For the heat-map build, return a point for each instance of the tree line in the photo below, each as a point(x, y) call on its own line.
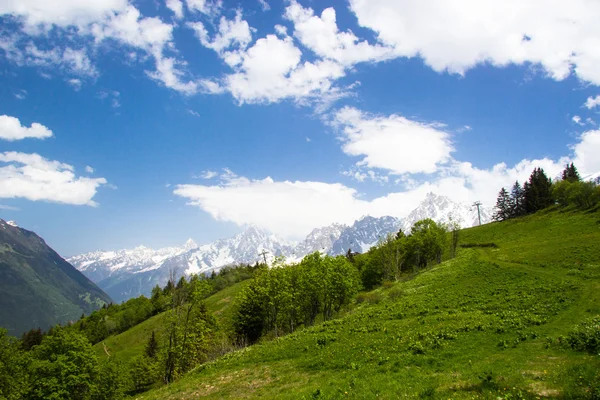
point(540, 192)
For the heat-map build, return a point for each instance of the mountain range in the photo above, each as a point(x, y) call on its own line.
point(129, 273)
point(39, 288)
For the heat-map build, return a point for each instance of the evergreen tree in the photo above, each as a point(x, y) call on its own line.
point(570, 173)
point(503, 206)
point(152, 346)
point(538, 192)
point(517, 201)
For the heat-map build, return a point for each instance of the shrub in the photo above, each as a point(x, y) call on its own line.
point(586, 337)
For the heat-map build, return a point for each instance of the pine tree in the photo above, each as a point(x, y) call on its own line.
point(152, 347)
point(570, 173)
point(538, 191)
point(517, 201)
point(502, 206)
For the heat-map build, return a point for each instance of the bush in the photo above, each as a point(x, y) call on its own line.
point(586, 337)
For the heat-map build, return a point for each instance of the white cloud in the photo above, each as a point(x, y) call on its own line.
point(393, 143)
point(577, 119)
point(231, 33)
point(69, 60)
point(9, 208)
point(264, 5)
point(592, 102)
point(362, 175)
point(21, 94)
point(208, 174)
point(321, 35)
point(207, 7)
point(75, 84)
point(272, 70)
point(308, 139)
point(194, 113)
point(177, 7)
point(586, 152)
point(11, 129)
point(61, 13)
point(33, 177)
point(89, 169)
point(457, 36)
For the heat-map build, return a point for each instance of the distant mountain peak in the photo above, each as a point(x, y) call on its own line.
point(190, 244)
point(13, 223)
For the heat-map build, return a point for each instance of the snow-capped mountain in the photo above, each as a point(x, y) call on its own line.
point(100, 265)
point(364, 234)
point(244, 248)
point(320, 239)
point(129, 273)
point(442, 209)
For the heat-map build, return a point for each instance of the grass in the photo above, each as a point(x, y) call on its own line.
point(490, 324)
point(133, 341)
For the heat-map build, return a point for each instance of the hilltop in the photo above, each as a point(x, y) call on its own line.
point(498, 321)
point(39, 288)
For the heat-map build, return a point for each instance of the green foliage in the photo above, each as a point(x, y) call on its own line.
point(570, 173)
point(582, 195)
point(14, 376)
point(144, 372)
point(282, 298)
point(586, 337)
point(112, 381)
point(503, 206)
point(63, 366)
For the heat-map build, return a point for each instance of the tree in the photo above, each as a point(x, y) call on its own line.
point(151, 349)
point(111, 382)
point(144, 372)
point(63, 367)
point(517, 201)
point(570, 174)
point(31, 338)
point(503, 206)
point(14, 375)
point(538, 191)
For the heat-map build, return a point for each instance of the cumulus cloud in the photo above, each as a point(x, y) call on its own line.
point(230, 33)
point(176, 6)
point(11, 129)
point(101, 20)
point(393, 143)
point(207, 7)
point(592, 102)
point(36, 13)
point(89, 169)
point(321, 35)
point(35, 178)
point(561, 37)
point(264, 5)
point(586, 152)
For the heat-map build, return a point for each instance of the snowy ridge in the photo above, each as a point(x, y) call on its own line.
point(442, 209)
point(129, 273)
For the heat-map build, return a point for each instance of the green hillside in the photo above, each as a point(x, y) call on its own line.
point(131, 343)
point(497, 321)
point(39, 288)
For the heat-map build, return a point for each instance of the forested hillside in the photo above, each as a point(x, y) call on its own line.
point(39, 288)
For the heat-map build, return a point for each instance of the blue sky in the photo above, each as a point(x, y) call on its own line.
point(148, 122)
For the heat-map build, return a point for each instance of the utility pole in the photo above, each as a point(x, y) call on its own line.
point(264, 254)
point(477, 204)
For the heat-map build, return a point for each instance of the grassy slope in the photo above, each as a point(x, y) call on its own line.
point(132, 342)
point(473, 327)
